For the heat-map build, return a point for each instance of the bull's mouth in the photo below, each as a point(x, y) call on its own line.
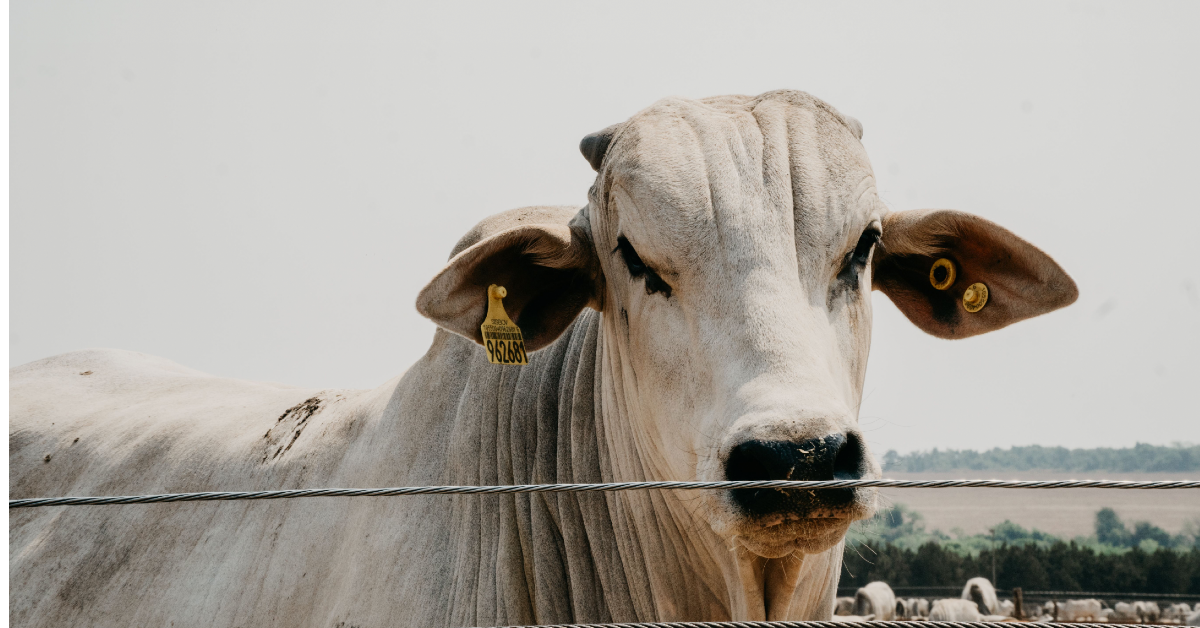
point(774, 522)
point(807, 536)
point(806, 521)
point(826, 503)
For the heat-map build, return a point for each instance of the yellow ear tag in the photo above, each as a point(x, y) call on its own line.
point(975, 297)
point(942, 275)
point(501, 337)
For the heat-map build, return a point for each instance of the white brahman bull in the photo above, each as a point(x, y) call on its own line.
point(911, 608)
point(1080, 611)
point(1147, 612)
point(955, 610)
point(875, 599)
point(1176, 612)
point(706, 316)
point(981, 591)
point(1125, 612)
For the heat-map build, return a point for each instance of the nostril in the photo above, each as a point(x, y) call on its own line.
point(758, 460)
point(848, 463)
point(831, 457)
point(835, 456)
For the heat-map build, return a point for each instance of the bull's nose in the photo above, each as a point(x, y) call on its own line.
point(832, 457)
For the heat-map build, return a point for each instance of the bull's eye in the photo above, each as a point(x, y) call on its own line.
point(866, 242)
point(857, 259)
point(639, 269)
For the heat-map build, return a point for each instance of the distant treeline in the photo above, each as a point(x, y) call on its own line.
point(1141, 457)
point(904, 528)
point(1060, 567)
point(1138, 556)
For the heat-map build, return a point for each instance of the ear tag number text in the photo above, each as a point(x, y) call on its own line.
point(501, 336)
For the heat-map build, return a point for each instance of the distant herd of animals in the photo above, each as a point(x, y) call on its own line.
point(876, 601)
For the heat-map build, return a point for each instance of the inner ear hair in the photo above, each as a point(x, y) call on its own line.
point(933, 238)
point(549, 272)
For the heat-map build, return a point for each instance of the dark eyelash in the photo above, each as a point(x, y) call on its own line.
point(862, 250)
point(856, 260)
point(638, 268)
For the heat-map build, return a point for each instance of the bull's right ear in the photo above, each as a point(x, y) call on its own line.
point(931, 264)
point(549, 270)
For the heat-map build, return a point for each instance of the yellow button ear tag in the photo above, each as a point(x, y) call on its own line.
point(501, 336)
point(942, 274)
point(975, 297)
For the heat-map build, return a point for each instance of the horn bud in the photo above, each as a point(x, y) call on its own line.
point(595, 146)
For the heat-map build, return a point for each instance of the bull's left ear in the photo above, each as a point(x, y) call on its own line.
point(549, 270)
point(1021, 281)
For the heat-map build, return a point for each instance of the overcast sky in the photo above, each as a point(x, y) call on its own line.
point(259, 190)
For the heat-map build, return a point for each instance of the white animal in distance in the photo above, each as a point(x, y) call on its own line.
point(1080, 611)
point(955, 610)
point(981, 591)
point(875, 599)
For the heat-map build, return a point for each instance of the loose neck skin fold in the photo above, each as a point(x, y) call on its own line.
point(590, 557)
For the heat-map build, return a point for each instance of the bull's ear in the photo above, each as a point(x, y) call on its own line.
point(549, 270)
point(1021, 281)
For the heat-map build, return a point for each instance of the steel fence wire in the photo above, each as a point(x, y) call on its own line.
point(580, 488)
point(841, 624)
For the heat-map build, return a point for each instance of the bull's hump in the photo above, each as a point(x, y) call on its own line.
point(69, 384)
point(111, 361)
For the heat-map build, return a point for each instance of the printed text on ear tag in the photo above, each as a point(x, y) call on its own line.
point(501, 337)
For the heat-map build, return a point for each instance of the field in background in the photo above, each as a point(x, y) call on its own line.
point(1141, 458)
point(1066, 513)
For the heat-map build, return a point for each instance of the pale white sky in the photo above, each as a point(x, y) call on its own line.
point(259, 190)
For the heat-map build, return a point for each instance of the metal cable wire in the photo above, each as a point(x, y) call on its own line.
point(839, 624)
point(580, 488)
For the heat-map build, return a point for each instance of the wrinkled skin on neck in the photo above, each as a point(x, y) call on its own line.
point(581, 557)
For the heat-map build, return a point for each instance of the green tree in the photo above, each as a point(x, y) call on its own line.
point(1064, 567)
point(897, 549)
point(1167, 572)
point(1144, 530)
point(1111, 530)
point(1023, 567)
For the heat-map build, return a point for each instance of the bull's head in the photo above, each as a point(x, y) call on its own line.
point(731, 244)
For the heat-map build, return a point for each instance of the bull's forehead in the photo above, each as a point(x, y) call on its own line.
point(781, 169)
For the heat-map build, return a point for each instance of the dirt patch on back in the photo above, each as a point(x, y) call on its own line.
point(289, 426)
